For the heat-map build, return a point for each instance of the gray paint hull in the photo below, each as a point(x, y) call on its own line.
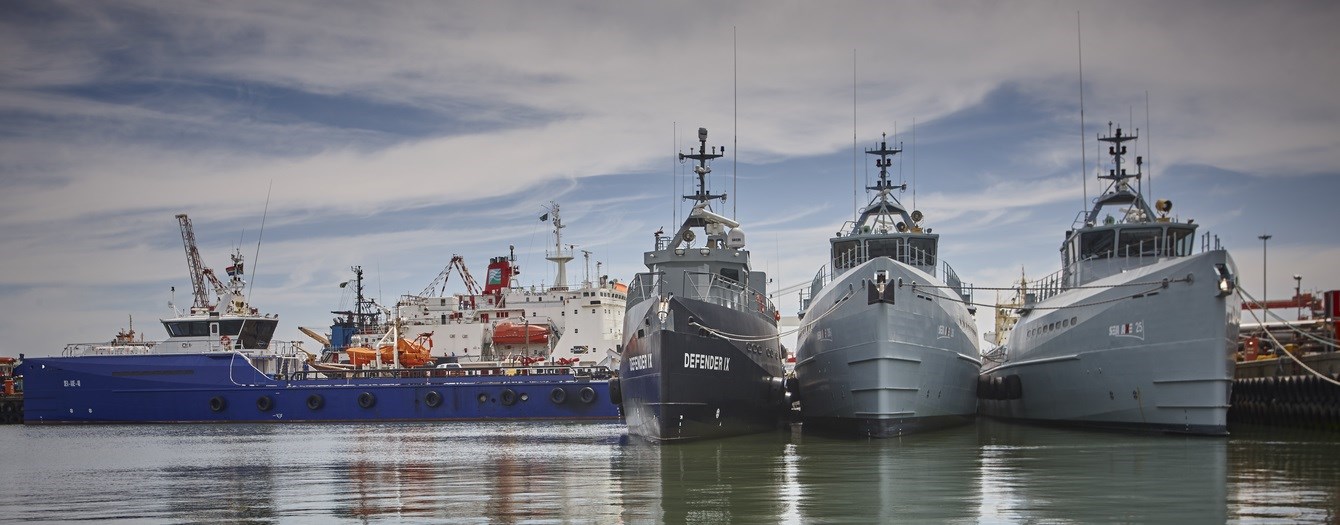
point(1162, 361)
point(886, 369)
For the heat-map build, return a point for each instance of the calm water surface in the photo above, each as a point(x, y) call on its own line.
point(990, 472)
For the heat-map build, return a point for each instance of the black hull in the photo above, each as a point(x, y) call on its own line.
point(680, 382)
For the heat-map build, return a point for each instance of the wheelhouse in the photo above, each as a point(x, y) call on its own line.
point(245, 333)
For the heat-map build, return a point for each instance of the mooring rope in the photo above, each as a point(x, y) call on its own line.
point(1160, 285)
point(1280, 346)
point(753, 339)
point(1248, 297)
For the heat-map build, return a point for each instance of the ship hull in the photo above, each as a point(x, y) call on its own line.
point(883, 368)
point(680, 383)
point(1118, 356)
point(226, 388)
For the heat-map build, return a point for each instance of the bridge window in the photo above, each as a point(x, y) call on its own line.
point(921, 251)
point(884, 248)
point(844, 254)
point(1096, 244)
point(1181, 241)
point(1139, 241)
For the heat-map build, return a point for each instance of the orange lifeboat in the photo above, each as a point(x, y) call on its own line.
point(518, 334)
point(412, 354)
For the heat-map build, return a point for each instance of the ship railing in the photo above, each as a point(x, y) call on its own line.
point(722, 291)
point(956, 284)
point(502, 373)
point(821, 279)
point(644, 286)
point(908, 255)
point(275, 349)
point(105, 348)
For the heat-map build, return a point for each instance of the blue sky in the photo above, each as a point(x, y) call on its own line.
point(393, 136)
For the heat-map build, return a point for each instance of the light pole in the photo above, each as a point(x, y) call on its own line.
point(1265, 297)
point(1298, 294)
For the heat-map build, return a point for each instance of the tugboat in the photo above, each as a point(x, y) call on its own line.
point(1137, 331)
point(701, 357)
point(882, 350)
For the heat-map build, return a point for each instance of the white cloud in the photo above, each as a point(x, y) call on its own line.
point(538, 97)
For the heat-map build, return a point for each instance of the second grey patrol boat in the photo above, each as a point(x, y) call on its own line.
point(887, 343)
point(701, 358)
point(1136, 332)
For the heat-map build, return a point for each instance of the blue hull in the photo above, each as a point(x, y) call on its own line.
point(225, 388)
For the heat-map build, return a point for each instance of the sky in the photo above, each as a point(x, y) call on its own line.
point(318, 136)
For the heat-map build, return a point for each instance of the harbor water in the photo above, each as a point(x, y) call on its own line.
point(523, 472)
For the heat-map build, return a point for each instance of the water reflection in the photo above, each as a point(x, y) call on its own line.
point(1285, 476)
point(990, 472)
point(716, 481)
point(921, 478)
point(1073, 476)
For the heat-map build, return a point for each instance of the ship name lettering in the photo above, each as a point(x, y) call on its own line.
point(1135, 329)
point(706, 362)
point(639, 362)
point(71, 382)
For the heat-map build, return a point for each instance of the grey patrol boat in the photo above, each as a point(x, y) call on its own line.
point(701, 357)
point(887, 343)
point(1137, 331)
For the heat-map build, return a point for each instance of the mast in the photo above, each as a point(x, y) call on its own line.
point(559, 257)
point(701, 216)
point(884, 186)
point(702, 156)
point(1119, 191)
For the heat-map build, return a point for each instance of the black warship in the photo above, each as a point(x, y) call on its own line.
point(701, 357)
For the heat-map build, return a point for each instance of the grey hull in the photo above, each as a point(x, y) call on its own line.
point(1122, 356)
point(888, 367)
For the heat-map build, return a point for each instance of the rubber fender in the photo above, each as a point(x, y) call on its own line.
point(1014, 387)
point(616, 391)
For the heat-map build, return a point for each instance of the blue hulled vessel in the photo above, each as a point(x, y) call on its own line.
point(220, 363)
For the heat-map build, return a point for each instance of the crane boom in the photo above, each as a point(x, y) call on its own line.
point(458, 263)
point(193, 263)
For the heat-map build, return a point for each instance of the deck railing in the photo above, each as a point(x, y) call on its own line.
point(702, 286)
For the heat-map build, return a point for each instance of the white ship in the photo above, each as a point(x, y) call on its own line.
point(1137, 331)
point(502, 322)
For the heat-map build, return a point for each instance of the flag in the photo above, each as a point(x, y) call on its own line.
point(233, 270)
point(544, 217)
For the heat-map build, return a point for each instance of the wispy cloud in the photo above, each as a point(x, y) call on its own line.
point(396, 134)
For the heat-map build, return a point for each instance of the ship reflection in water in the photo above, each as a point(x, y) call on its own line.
point(505, 472)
